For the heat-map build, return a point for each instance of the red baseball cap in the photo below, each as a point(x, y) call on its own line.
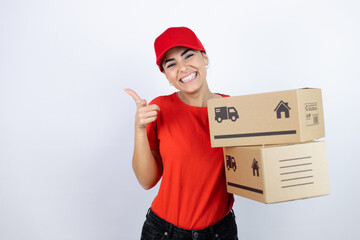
point(175, 37)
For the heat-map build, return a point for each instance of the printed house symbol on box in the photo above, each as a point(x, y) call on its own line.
point(282, 107)
point(255, 167)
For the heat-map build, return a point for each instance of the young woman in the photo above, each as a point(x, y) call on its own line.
point(172, 142)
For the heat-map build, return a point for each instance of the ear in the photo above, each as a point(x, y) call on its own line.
point(205, 57)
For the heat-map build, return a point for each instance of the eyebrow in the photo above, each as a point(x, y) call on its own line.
point(169, 60)
point(185, 52)
point(182, 54)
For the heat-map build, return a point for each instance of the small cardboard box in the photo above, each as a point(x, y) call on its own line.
point(271, 174)
point(291, 116)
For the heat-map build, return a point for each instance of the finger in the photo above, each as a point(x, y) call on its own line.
point(145, 121)
point(153, 107)
point(134, 95)
point(147, 114)
point(148, 111)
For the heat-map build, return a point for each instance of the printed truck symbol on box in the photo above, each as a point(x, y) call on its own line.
point(230, 162)
point(223, 113)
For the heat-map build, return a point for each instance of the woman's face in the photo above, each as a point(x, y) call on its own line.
point(185, 68)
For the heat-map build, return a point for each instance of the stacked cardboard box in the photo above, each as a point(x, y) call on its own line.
point(269, 150)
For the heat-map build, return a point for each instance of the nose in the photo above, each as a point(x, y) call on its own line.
point(182, 66)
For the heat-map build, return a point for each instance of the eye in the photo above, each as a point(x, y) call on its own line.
point(189, 55)
point(170, 65)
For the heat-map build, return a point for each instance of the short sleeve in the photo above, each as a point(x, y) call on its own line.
point(151, 130)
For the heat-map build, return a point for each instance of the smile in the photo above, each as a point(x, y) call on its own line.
point(188, 78)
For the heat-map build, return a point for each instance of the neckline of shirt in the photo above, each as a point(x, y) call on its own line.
point(189, 106)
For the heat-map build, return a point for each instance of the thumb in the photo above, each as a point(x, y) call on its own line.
point(143, 102)
point(139, 101)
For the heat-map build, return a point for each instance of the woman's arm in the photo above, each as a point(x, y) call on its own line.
point(146, 163)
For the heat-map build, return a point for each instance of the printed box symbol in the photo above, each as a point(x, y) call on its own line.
point(311, 114)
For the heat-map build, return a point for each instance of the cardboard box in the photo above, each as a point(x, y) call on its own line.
point(291, 116)
point(271, 174)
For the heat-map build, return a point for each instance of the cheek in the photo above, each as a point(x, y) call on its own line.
point(200, 62)
point(170, 76)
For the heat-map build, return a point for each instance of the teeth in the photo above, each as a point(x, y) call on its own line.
point(188, 78)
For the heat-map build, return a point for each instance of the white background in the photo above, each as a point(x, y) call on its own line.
point(66, 125)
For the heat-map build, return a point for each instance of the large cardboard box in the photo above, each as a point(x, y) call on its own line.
point(291, 116)
point(271, 174)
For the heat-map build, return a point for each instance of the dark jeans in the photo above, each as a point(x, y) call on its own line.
point(156, 228)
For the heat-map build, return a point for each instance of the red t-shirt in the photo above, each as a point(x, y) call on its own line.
point(192, 193)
